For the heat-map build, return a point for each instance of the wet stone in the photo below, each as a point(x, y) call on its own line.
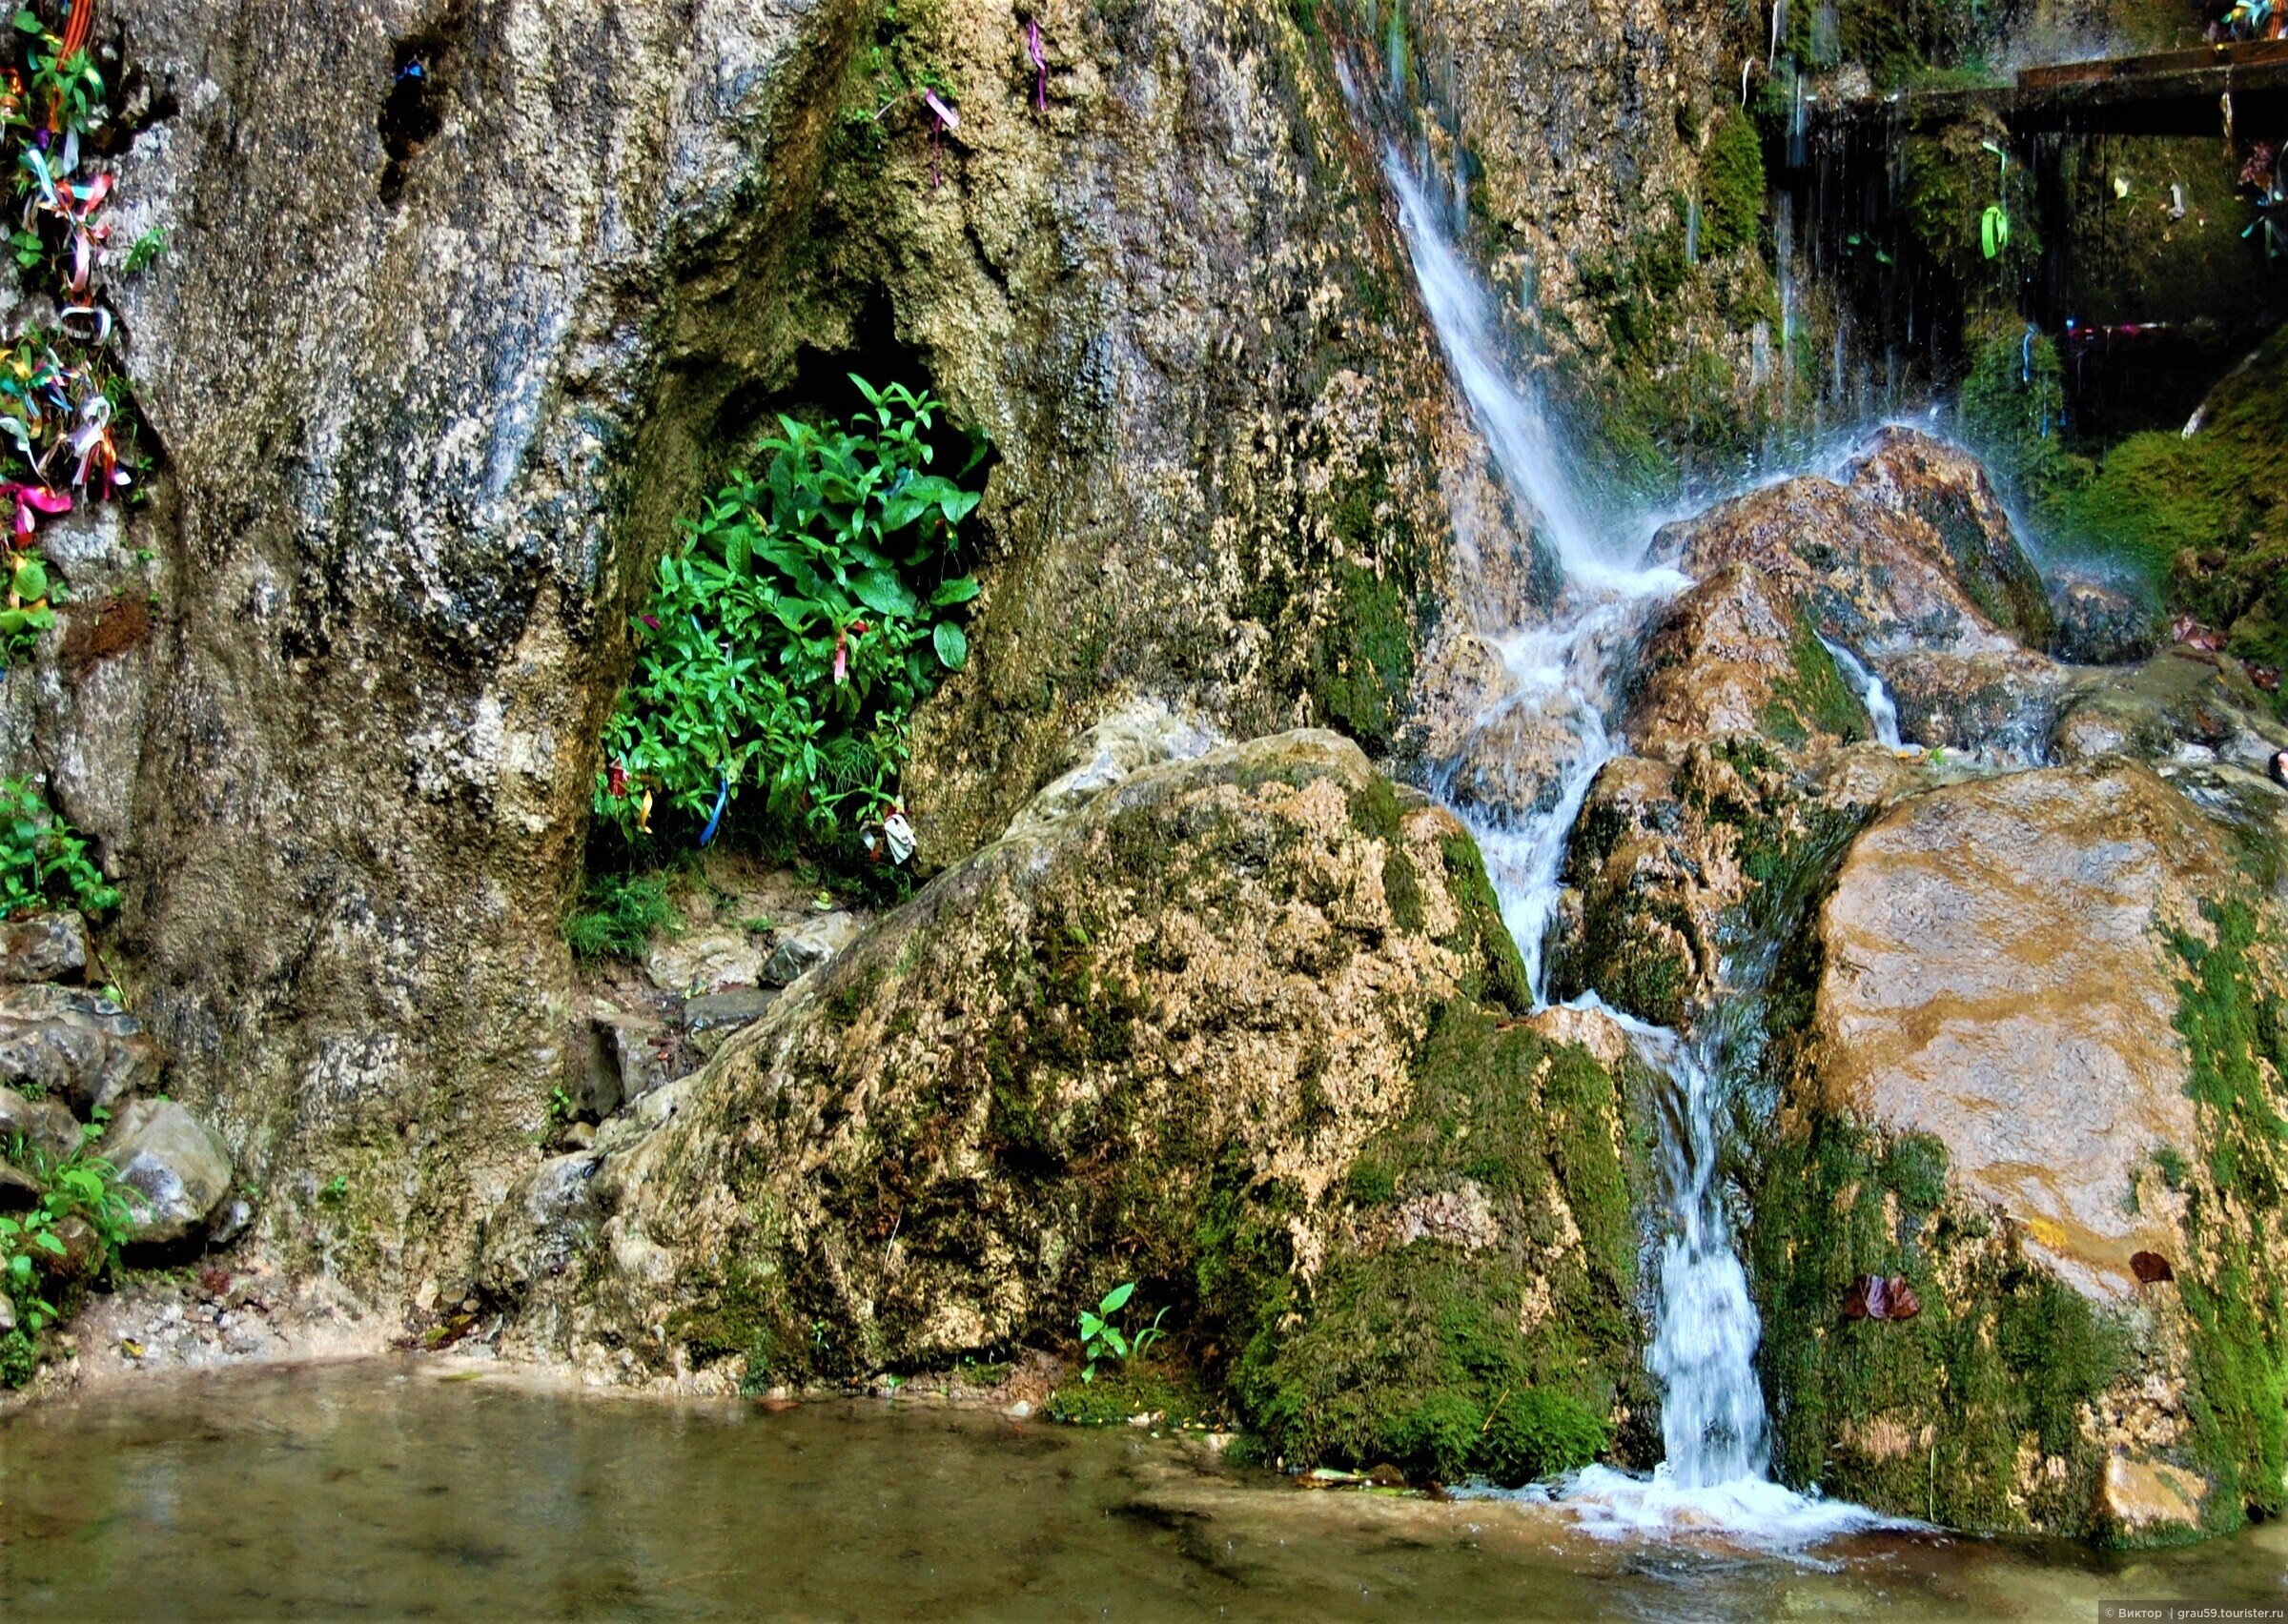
point(2102, 623)
point(175, 1169)
point(72, 1045)
point(715, 1017)
point(807, 946)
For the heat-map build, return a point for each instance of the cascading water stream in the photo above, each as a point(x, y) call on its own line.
point(1563, 673)
point(1880, 710)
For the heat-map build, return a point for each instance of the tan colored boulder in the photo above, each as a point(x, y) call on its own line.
point(2148, 1500)
point(1952, 516)
point(1995, 978)
point(1212, 1033)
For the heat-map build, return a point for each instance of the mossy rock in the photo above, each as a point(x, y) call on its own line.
point(1483, 1323)
point(1242, 1030)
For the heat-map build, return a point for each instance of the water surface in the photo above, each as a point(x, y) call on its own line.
point(380, 1492)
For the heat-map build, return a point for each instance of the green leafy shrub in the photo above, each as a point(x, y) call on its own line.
point(808, 614)
point(619, 915)
point(44, 861)
point(84, 1187)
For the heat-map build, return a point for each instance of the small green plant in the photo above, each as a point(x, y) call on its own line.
point(1101, 1339)
point(147, 250)
point(334, 1190)
point(86, 1188)
point(619, 916)
point(809, 611)
point(561, 1108)
point(44, 861)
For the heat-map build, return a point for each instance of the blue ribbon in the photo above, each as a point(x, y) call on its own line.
point(723, 799)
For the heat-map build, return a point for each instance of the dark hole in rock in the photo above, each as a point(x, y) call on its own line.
point(413, 111)
point(822, 392)
point(2150, 1268)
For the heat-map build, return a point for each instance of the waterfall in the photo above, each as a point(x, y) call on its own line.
point(1880, 710)
point(1563, 675)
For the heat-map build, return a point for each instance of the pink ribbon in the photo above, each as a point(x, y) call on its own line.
point(941, 117)
point(31, 498)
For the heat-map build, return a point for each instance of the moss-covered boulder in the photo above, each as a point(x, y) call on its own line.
point(1245, 1029)
point(2042, 1082)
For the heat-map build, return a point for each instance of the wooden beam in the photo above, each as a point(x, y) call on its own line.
point(2178, 92)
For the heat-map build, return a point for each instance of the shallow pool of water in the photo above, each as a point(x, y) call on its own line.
point(381, 1490)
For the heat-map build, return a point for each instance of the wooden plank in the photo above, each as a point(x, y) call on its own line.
point(2236, 55)
point(2174, 93)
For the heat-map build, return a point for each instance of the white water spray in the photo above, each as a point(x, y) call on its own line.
point(1562, 672)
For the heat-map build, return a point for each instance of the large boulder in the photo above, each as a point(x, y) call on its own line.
point(2042, 1083)
point(173, 1171)
point(1243, 1029)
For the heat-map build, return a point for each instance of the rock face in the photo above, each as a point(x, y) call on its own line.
point(1224, 1020)
point(1995, 979)
point(2041, 1083)
point(173, 1169)
point(343, 768)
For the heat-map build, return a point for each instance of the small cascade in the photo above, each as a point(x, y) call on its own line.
point(1880, 710)
point(1565, 673)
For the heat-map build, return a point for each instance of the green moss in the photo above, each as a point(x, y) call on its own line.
point(1924, 1416)
point(1813, 697)
point(738, 1314)
point(1731, 185)
point(1481, 937)
point(1952, 180)
point(2235, 1031)
point(1364, 663)
point(1121, 1392)
point(1369, 1184)
point(1415, 1354)
point(2204, 518)
point(2012, 409)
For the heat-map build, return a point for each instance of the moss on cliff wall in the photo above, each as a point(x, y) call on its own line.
point(1971, 1413)
point(2205, 515)
point(2234, 1022)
